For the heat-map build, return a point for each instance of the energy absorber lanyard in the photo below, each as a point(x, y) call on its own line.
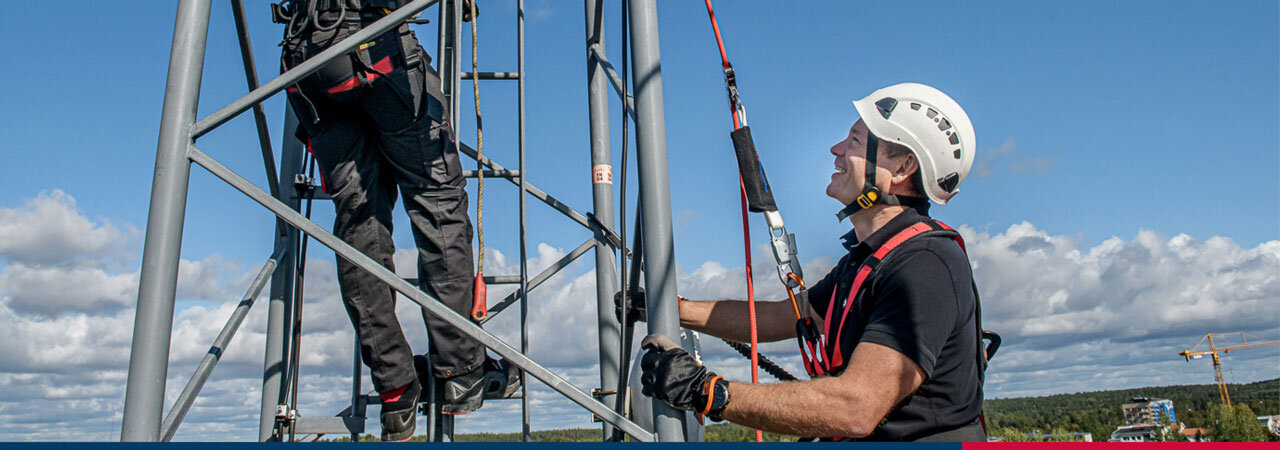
point(758, 197)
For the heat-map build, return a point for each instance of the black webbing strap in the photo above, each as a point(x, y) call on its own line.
point(872, 196)
point(873, 152)
point(759, 196)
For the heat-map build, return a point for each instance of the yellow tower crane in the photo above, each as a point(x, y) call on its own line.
point(1238, 340)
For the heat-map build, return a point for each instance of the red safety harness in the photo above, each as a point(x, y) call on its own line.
point(836, 357)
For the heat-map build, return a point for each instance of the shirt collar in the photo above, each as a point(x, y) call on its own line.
point(902, 221)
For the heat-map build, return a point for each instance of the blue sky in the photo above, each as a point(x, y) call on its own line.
point(1095, 120)
point(1121, 117)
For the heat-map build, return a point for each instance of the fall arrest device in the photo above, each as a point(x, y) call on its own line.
point(756, 196)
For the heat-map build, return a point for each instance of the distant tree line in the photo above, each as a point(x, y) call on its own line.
point(1054, 416)
point(1100, 412)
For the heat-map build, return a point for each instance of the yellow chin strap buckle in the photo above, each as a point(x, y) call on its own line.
point(867, 199)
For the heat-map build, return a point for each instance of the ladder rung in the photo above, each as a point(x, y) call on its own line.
point(492, 75)
point(329, 425)
point(488, 279)
point(493, 173)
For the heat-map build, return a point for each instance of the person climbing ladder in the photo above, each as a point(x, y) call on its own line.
point(376, 123)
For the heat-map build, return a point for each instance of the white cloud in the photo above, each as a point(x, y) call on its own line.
point(49, 291)
point(50, 230)
point(1121, 308)
point(1074, 317)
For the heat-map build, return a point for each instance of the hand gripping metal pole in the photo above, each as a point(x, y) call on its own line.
point(431, 304)
point(655, 194)
point(153, 322)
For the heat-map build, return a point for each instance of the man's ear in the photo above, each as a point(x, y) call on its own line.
point(904, 168)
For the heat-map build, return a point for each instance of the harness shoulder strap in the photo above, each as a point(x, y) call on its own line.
point(926, 228)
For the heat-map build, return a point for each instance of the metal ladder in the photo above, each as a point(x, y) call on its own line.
point(176, 152)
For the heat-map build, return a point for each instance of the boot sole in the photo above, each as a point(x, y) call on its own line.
point(402, 435)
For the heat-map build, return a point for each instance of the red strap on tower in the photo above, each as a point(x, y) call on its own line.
point(742, 190)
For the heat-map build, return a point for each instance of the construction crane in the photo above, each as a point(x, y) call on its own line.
point(1244, 341)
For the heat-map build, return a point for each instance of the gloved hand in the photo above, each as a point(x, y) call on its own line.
point(635, 308)
point(672, 375)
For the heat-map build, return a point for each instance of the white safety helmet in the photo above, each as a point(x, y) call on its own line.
point(931, 125)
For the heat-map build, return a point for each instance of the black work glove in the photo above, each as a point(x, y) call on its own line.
point(635, 307)
point(672, 375)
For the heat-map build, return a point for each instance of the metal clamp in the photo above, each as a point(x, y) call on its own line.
point(600, 394)
point(731, 85)
point(304, 185)
point(784, 249)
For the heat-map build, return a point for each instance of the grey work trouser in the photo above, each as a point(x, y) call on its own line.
point(376, 124)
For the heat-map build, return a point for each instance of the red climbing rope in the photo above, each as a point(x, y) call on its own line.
point(736, 110)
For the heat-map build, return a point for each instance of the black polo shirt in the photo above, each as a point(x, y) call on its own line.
point(920, 302)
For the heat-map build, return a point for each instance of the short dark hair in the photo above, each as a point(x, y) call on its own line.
point(896, 150)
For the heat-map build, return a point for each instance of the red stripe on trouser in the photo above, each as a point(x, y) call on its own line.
point(383, 66)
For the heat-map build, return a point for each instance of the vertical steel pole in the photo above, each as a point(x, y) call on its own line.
point(259, 113)
point(455, 63)
point(655, 194)
point(440, 30)
point(610, 334)
point(153, 322)
point(357, 394)
point(524, 193)
point(282, 281)
point(446, 47)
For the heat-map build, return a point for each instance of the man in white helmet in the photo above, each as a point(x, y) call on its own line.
point(901, 355)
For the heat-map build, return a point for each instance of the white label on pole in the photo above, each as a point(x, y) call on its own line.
point(602, 173)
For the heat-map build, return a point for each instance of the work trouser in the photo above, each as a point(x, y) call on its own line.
point(375, 122)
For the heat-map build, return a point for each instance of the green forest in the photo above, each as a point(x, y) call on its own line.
point(1098, 413)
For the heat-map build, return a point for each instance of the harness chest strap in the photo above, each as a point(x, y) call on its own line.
point(836, 358)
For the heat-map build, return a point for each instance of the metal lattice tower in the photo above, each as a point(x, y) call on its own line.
point(180, 129)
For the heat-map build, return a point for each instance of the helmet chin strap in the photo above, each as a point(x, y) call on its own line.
point(872, 196)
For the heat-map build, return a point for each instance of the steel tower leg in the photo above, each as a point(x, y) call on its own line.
point(610, 334)
point(153, 323)
point(280, 306)
point(655, 195)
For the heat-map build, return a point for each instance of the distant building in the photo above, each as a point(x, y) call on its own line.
point(1062, 437)
point(1147, 411)
point(1136, 433)
point(1271, 423)
point(1196, 434)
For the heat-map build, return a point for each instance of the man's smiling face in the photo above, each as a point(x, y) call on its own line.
point(850, 165)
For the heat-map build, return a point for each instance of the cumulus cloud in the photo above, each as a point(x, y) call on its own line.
point(1121, 307)
point(66, 299)
point(49, 229)
point(1075, 317)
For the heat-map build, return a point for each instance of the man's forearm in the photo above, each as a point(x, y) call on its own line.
point(818, 408)
point(727, 319)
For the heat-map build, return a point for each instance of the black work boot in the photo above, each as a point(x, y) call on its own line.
point(463, 393)
point(400, 412)
point(501, 379)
